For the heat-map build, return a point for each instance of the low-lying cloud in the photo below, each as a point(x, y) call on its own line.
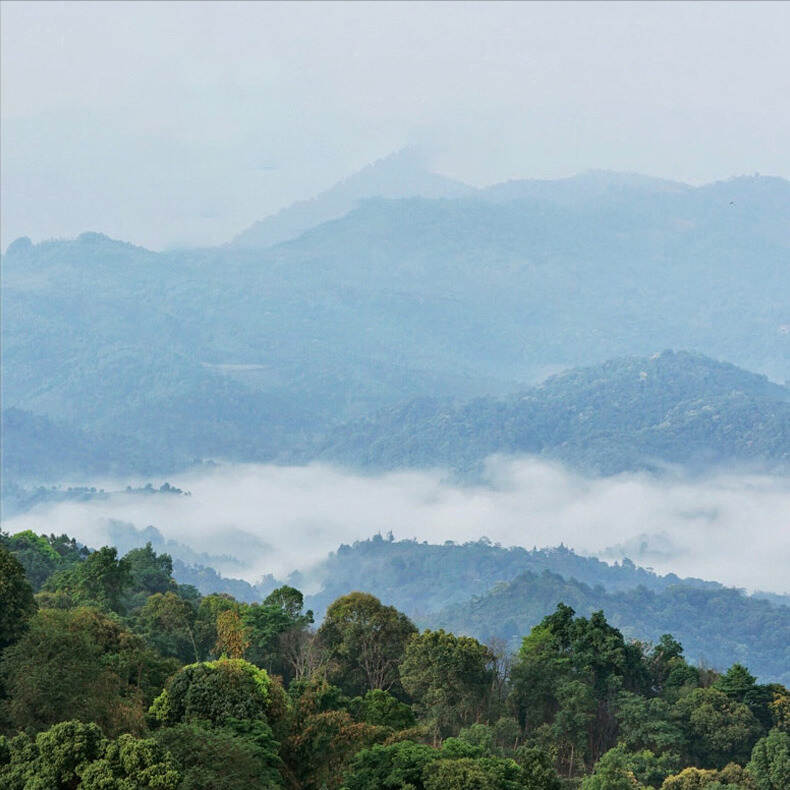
point(734, 528)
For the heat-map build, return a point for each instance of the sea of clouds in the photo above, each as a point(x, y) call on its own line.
point(734, 528)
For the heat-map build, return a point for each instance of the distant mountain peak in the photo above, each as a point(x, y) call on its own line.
point(401, 174)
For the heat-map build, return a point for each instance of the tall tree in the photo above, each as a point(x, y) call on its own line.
point(365, 640)
point(449, 678)
point(17, 604)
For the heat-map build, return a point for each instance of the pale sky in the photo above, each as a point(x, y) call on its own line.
point(181, 124)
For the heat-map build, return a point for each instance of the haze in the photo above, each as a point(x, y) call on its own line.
point(294, 516)
point(181, 124)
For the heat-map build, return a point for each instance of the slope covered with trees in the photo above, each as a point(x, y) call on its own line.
point(631, 413)
point(491, 592)
point(252, 353)
point(115, 676)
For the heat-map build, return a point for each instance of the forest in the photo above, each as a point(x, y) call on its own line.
point(114, 675)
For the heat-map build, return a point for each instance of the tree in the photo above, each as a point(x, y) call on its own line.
point(301, 653)
point(470, 773)
point(270, 623)
point(365, 641)
point(166, 622)
point(209, 609)
point(41, 556)
point(80, 664)
point(612, 772)
point(645, 723)
point(718, 729)
point(17, 604)
point(620, 768)
point(769, 767)
point(240, 755)
point(100, 580)
point(54, 759)
point(448, 677)
point(739, 684)
point(128, 762)
point(214, 691)
point(537, 767)
point(149, 573)
point(320, 750)
point(392, 767)
point(232, 635)
point(383, 709)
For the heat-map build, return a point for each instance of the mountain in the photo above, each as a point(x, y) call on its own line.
point(492, 592)
point(399, 175)
point(715, 626)
point(422, 579)
point(261, 354)
point(593, 186)
point(671, 408)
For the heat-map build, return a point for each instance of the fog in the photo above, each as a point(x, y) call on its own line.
point(183, 123)
point(733, 528)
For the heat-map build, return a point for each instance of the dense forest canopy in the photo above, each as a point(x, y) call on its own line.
point(114, 675)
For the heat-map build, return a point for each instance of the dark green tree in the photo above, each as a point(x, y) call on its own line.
point(365, 641)
point(448, 677)
point(17, 604)
point(769, 767)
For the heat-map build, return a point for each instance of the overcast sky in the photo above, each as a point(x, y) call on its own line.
point(180, 124)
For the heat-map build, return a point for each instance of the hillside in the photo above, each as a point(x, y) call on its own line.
point(251, 354)
point(713, 624)
point(671, 408)
point(401, 174)
point(491, 592)
point(423, 578)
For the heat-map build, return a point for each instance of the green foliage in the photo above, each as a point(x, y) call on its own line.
point(496, 593)
point(80, 664)
point(167, 623)
point(17, 604)
point(718, 729)
point(458, 764)
point(100, 580)
point(620, 767)
point(149, 573)
point(612, 772)
point(383, 709)
point(480, 773)
point(267, 623)
point(132, 764)
point(769, 767)
point(237, 756)
point(569, 674)
point(41, 556)
point(365, 641)
point(214, 691)
point(399, 765)
point(579, 698)
point(54, 760)
point(448, 677)
point(710, 621)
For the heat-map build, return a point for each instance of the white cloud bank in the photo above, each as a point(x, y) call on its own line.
point(734, 528)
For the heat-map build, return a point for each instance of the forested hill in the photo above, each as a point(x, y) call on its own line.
point(421, 577)
point(626, 414)
point(670, 408)
point(116, 676)
point(488, 591)
point(249, 354)
point(712, 623)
